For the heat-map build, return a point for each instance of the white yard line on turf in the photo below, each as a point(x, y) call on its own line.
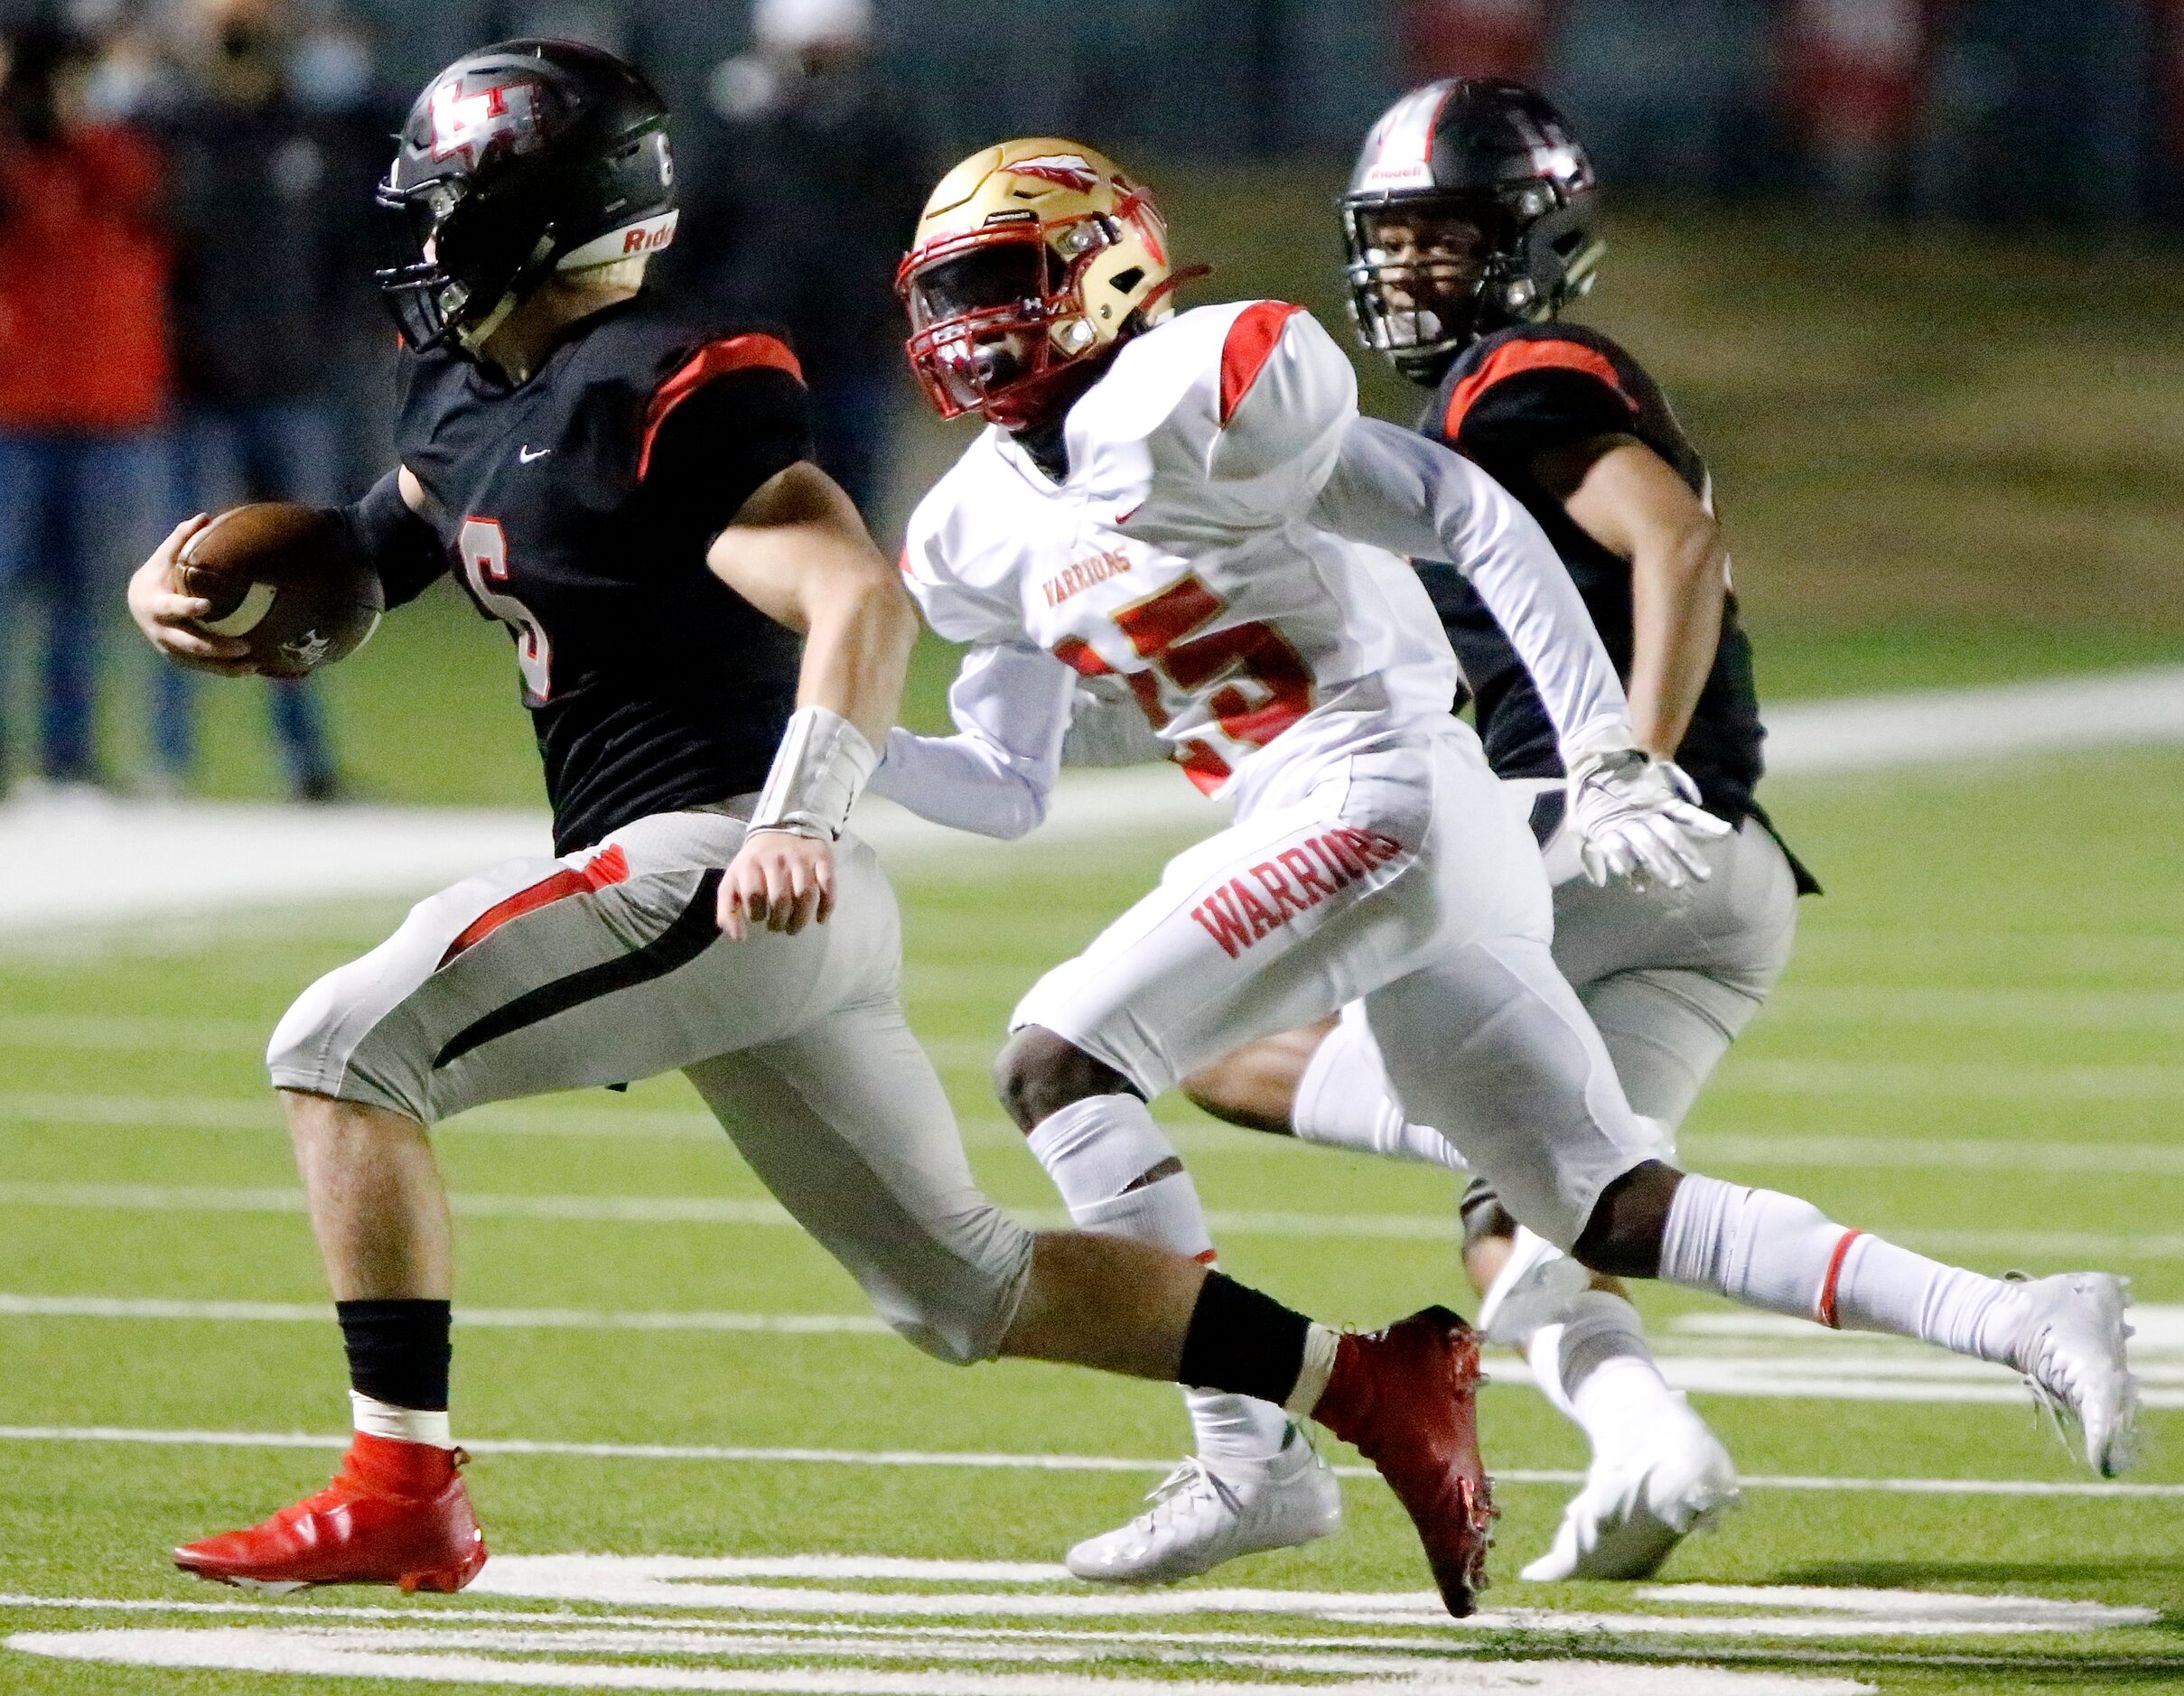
point(493, 1319)
point(90, 862)
point(412, 1654)
point(1801, 1369)
point(257, 1116)
point(720, 1210)
point(1947, 1006)
point(739, 1455)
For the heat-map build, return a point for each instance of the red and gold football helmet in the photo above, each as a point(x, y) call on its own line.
point(1030, 259)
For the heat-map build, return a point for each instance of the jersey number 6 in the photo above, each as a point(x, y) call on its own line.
point(485, 563)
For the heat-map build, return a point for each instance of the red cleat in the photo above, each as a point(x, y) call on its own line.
point(1406, 1397)
point(396, 1513)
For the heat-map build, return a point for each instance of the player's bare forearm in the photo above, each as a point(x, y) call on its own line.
point(1634, 504)
point(1677, 587)
point(800, 554)
point(798, 551)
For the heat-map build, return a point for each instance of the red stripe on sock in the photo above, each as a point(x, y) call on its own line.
point(1207, 1258)
point(1827, 1314)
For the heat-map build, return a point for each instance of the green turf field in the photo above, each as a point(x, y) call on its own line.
point(1976, 1048)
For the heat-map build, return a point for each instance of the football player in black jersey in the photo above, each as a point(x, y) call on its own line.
point(1472, 221)
point(629, 494)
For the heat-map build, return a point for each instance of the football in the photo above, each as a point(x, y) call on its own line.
point(288, 580)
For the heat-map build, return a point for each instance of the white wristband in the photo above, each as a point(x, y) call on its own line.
point(821, 767)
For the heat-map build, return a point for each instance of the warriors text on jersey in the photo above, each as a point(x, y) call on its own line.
point(1510, 396)
point(1176, 550)
point(578, 508)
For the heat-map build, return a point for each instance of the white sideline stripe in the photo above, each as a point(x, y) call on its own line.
point(106, 863)
point(1873, 732)
point(501, 1319)
point(971, 1461)
point(720, 1210)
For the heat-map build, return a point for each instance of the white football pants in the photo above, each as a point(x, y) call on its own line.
point(1398, 874)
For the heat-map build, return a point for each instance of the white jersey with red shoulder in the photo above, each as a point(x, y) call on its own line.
point(1180, 551)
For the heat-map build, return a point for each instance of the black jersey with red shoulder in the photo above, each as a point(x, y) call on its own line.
point(578, 508)
point(1507, 397)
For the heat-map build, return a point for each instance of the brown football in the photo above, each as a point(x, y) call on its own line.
point(287, 578)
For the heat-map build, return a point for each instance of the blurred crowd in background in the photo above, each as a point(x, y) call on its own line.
point(187, 232)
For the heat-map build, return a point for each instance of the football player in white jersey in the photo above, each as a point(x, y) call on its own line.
point(1191, 502)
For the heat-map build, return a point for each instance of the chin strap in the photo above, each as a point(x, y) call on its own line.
point(821, 767)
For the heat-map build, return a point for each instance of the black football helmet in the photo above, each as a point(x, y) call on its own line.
point(519, 160)
point(1471, 208)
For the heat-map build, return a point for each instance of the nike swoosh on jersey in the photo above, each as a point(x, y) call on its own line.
point(524, 456)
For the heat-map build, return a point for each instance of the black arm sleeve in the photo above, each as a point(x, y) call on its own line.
point(401, 546)
point(713, 448)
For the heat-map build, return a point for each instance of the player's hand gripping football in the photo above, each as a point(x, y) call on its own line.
point(780, 880)
point(1639, 819)
point(164, 614)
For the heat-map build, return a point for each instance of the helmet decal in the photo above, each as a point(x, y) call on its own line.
point(1401, 146)
point(1071, 170)
point(470, 123)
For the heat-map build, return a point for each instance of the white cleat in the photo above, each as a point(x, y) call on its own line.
point(2076, 1367)
point(1205, 1513)
point(1636, 1507)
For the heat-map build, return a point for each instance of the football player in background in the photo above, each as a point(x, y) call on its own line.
point(631, 494)
point(1192, 503)
point(1472, 221)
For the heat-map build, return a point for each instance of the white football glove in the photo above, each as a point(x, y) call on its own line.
point(1639, 819)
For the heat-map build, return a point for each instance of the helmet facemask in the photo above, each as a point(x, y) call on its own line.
point(1471, 208)
point(997, 316)
point(1033, 260)
point(452, 280)
point(1417, 273)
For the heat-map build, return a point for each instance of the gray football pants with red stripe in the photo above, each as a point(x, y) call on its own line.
point(606, 966)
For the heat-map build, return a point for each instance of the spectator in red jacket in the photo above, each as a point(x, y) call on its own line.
point(83, 375)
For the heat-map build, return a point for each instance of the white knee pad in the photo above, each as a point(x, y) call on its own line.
point(1096, 1151)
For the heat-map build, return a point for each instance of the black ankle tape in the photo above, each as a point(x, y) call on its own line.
point(398, 1351)
point(1243, 1342)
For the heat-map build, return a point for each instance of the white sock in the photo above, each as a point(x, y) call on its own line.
point(1772, 1251)
point(1603, 1373)
point(1094, 1150)
point(1343, 1102)
point(402, 1424)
